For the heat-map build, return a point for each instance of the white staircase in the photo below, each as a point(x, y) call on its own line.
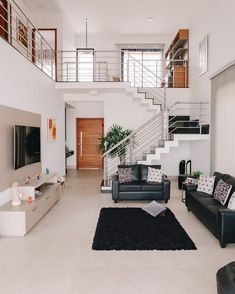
point(158, 136)
point(149, 103)
point(166, 149)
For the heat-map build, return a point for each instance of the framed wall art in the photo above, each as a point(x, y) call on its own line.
point(51, 130)
point(22, 33)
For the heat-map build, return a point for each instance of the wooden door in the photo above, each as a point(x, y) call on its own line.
point(88, 133)
point(3, 19)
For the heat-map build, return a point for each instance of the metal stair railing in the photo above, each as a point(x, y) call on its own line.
point(141, 75)
point(22, 35)
point(150, 135)
point(133, 146)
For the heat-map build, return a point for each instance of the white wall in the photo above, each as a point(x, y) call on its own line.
point(219, 24)
point(170, 162)
point(65, 33)
point(110, 41)
point(25, 87)
point(50, 20)
point(177, 95)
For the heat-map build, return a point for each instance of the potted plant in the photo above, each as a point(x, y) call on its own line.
point(115, 135)
point(197, 174)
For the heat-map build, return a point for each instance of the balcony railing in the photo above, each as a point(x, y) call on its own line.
point(107, 66)
point(18, 31)
point(87, 64)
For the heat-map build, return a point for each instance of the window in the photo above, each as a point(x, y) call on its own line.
point(142, 67)
point(85, 64)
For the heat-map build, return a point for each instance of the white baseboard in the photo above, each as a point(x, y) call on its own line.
point(71, 167)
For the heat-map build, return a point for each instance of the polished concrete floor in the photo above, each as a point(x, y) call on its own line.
point(56, 256)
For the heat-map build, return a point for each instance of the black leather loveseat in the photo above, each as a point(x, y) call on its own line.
point(219, 220)
point(140, 189)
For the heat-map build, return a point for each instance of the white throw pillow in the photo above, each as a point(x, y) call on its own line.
point(154, 208)
point(231, 204)
point(206, 184)
point(154, 175)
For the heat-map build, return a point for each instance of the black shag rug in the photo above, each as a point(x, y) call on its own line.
point(134, 229)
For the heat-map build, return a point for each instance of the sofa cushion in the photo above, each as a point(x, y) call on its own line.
point(125, 175)
point(206, 184)
point(231, 181)
point(133, 186)
point(218, 176)
point(222, 191)
point(212, 211)
point(144, 171)
point(148, 186)
point(135, 171)
point(231, 204)
point(209, 201)
point(197, 194)
point(154, 175)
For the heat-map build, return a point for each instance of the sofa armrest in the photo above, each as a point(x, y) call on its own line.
point(115, 187)
point(166, 188)
point(226, 226)
point(190, 187)
point(164, 177)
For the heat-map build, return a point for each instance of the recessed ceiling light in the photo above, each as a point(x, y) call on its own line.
point(150, 18)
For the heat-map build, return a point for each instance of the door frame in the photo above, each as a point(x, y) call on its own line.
point(34, 41)
point(6, 26)
point(77, 149)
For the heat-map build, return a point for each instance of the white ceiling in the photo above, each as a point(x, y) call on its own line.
point(126, 16)
point(42, 6)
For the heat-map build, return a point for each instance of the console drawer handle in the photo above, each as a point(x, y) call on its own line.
point(34, 209)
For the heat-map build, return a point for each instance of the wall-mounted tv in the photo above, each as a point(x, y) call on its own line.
point(27, 146)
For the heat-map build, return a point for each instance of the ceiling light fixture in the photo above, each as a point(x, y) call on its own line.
point(86, 20)
point(86, 50)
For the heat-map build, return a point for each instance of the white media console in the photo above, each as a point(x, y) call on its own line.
point(17, 221)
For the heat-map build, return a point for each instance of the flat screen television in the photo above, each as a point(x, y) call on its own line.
point(27, 146)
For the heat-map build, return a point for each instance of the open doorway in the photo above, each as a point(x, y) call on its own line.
point(43, 56)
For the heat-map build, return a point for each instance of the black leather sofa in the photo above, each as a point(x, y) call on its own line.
point(219, 220)
point(140, 189)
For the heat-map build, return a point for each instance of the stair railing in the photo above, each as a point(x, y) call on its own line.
point(140, 75)
point(134, 146)
point(150, 135)
point(195, 110)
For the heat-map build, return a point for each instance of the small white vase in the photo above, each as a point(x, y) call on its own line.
point(17, 196)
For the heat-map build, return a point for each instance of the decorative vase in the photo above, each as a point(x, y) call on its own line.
point(17, 196)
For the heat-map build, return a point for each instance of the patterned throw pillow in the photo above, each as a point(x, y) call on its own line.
point(222, 191)
point(231, 204)
point(154, 175)
point(125, 175)
point(191, 181)
point(154, 208)
point(206, 184)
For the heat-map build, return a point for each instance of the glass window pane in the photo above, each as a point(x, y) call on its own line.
point(143, 67)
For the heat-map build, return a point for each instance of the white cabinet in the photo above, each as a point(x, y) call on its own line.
point(17, 221)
